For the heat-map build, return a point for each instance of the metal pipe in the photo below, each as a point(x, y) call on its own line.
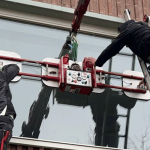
point(133, 63)
point(101, 85)
point(119, 74)
point(57, 65)
point(45, 77)
point(31, 61)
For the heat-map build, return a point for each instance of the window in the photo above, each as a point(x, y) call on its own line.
point(74, 120)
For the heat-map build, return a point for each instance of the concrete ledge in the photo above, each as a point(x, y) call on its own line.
point(55, 145)
point(57, 16)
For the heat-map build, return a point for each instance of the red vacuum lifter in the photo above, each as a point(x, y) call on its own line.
point(83, 81)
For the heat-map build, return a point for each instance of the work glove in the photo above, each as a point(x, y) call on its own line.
point(91, 62)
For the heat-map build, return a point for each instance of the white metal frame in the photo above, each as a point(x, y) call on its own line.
point(51, 144)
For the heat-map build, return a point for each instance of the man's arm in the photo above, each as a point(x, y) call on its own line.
point(113, 48)
point(10, 71)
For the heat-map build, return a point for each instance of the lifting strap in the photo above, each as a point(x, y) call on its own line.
point(74, 48)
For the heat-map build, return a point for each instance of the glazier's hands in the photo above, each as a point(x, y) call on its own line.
point(91, 60)
point(142, 82)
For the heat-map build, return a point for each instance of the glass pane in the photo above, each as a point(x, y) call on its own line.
point(64, 121)
point(71, 118)
point(126, 50)
point(92, 46)
point(121, 63)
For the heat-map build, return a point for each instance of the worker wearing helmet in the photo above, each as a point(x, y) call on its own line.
point(7, 111)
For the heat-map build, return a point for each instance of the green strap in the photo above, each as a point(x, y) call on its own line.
point(74, 49)
point(74, 44)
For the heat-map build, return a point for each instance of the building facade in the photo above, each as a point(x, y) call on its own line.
point(37, 30)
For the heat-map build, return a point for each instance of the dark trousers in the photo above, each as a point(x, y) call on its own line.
point(4, 127)
point(111, 138)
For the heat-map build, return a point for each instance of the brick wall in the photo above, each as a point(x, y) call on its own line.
point(110, 7)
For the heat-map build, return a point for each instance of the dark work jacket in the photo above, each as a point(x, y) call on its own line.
point(6, 75)
point(135, 35)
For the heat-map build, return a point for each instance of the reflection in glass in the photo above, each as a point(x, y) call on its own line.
point(69, 118)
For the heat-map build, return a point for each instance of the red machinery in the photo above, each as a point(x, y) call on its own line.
point(79, 12)
point(70, 80)
point(76, 81)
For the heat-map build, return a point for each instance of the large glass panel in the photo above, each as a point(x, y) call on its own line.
point(70, 118)
point(64, 122)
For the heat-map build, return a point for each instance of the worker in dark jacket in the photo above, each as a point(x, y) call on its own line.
point(135, 35)
point(7, 111)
